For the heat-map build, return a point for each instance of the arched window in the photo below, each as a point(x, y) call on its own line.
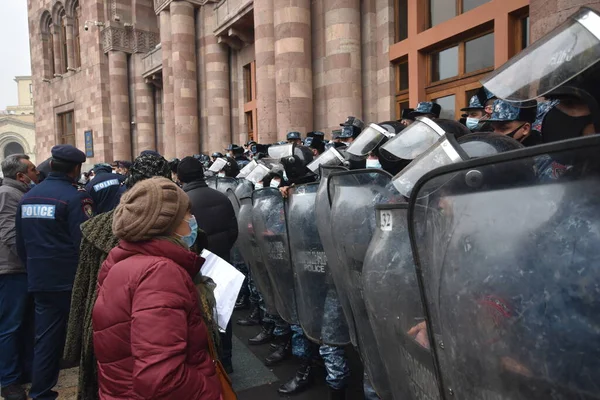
point(76, 35)
point(48, 45)
point(13, 148)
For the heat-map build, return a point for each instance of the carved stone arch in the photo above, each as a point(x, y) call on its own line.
point(46, 23)
point(71, 7)
point(13, 137)
point(57, 10)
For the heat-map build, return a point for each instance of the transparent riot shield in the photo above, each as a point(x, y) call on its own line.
point(508, 266)
point(225, 183)
point(252, 255)
point(353, 195)
point(236, 254)
point(395, 308)
point(270, 228)
point(211, 182)
point(323, 217)
point(319, 310)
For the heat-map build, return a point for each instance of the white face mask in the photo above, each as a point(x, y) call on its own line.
point(275, 183)
point(373, 163)
point(258, 185)
point(472, 123)
point(221, 174)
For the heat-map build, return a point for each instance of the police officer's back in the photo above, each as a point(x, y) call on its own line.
point(106, 188)
point(48, 236)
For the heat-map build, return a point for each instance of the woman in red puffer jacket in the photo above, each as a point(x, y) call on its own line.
point(149, 336)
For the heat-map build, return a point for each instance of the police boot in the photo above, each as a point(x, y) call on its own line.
point(300, 382)
point(13, 392)
point(252, 319)
point(242, 302)
point(337, 394)
point(265, 336)
point(282, 352)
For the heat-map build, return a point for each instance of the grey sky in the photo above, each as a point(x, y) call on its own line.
point(14, 50)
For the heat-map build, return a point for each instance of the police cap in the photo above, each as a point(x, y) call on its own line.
point(293, 136)
point(318, 134)
point(504, 111)
point(353, 121)
point(68, 153)
point(349, 131)
point(427, 107)
point(474, 104)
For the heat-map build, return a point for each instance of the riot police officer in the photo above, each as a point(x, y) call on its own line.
point(351, 128)
point(105, 189)
point(48, 238)
point(516, 122)
point(237, 153)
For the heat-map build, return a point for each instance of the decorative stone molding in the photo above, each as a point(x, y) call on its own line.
point(128, 39)
point(160, 5)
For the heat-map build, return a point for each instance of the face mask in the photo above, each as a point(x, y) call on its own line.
point(221, 174)
point(31, 183)
point(258, 185)
point(275, 183)
point(559, 126)
point(512, 134)
point(190, 239)
point(373, 163)
point(472, 123)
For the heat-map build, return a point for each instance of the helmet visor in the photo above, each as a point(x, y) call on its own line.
point(258, 173)
point(368, 140)
point(281, 151)
point(330, 157)
point(564, 53)
point(414, 140)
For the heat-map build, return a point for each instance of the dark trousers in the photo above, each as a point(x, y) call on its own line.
point(51, 316)
point(227, 344)
point(16, 338)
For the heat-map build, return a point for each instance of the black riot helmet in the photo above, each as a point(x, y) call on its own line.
point(450, 150)
point(235, 150)
point(173, 164)
point(231, 169)
point(217, 155)
point(568, 66)
point(294, 159)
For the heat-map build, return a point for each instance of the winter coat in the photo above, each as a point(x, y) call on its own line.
point(11, 193)
point(150, 339)
point(97, 241)
point(215, 216)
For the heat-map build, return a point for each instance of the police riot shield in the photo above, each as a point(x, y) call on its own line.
point(323, 218)
point(270, 228)
point(252, 255)
point(395, 308)
point(353, 195)
point(507, 266)
point(236, 254)
point(319, 310)
point(211, 182)
point(224, 183)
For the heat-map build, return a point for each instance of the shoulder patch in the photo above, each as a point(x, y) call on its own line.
point(87, 206)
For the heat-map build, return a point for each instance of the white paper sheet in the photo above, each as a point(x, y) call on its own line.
point(229, 282)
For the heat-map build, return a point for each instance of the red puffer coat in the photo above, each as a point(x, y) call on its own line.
point(149, 337)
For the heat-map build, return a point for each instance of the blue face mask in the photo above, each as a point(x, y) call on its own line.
point(472, 123)
point(373, 163)
point(190, 239)
point(31, 183)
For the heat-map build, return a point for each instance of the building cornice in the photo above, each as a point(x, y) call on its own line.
point(11, 120)
point(160, 5)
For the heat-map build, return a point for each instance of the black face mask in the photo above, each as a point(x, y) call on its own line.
point(559, 126)
point(512, 134)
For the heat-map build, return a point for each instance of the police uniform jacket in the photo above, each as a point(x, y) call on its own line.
point(48, 232)
point(106, 190)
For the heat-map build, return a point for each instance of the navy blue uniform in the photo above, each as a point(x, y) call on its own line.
point(106, 190)
point(48, 237)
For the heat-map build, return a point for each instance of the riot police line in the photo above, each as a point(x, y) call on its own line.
point(463, 267)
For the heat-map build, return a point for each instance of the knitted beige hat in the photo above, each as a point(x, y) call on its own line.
point(153, 207)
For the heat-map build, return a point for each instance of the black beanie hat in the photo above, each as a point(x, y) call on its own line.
point(189, 170)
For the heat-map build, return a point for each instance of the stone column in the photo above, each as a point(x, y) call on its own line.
point(218, 107)
point(369, 59)
point(168, 134)
point(385, 78)
point(70, 43)
point(143, 108)
point(119, 105)
point(185, 90)
point(318, 66)
point(264, 48)
point(57, 50)
point(343, 60)
point(293, 73)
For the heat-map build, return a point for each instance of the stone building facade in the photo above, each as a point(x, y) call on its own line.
point(190, 76)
